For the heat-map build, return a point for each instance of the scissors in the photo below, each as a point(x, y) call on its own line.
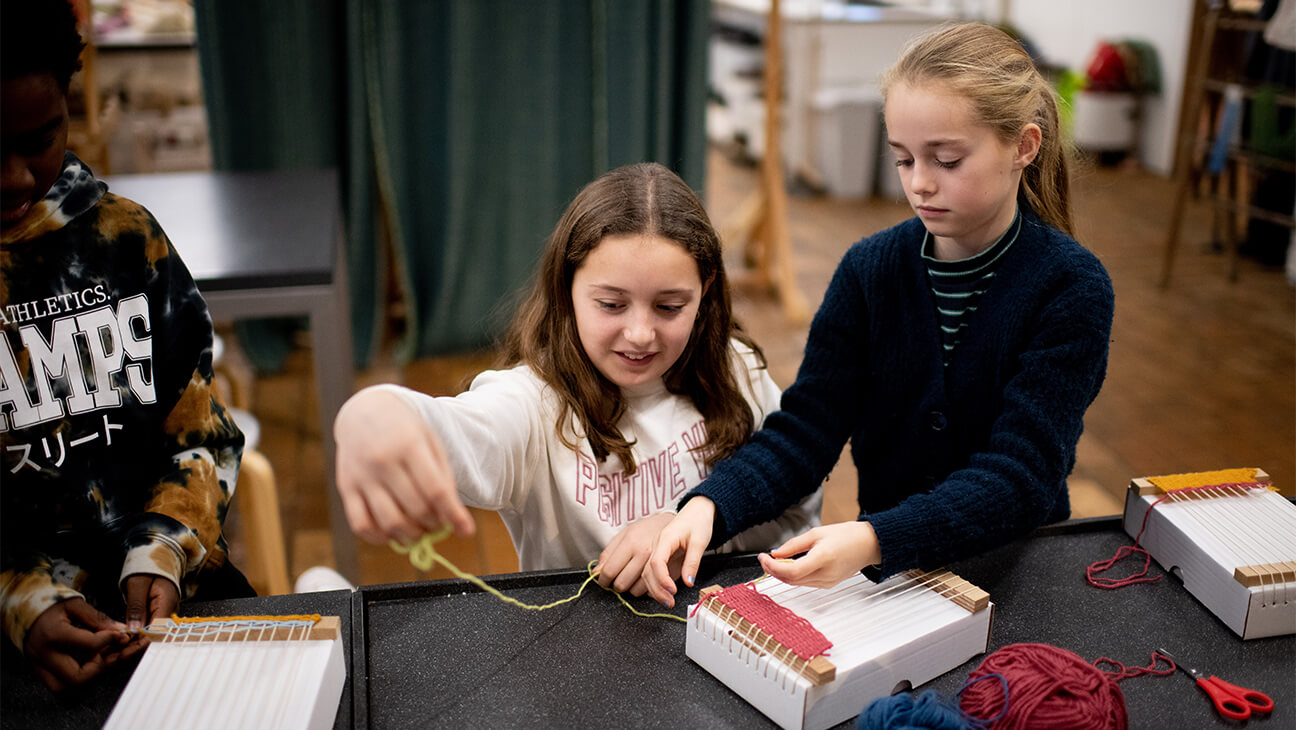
point(1230, 700)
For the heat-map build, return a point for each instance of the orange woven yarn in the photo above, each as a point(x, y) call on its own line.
point(312, 617)
point(1171, 482)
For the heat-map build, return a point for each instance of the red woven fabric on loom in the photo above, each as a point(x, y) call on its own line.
point(793, 632)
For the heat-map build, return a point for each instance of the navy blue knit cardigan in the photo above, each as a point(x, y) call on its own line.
point(952, 460)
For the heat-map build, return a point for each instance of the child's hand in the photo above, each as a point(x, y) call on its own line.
point(392, 472)
point(833, 553)
point(149, 597)
point(689, 532)
point(622, 562)
point(71, 642)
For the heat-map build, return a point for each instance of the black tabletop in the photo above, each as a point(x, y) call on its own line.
point(245, 230)
point(444, 654)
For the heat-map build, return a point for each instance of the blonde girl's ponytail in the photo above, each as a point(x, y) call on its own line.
point(1046, 182)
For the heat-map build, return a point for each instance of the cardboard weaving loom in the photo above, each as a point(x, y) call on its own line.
point(884, 637)
point(276, 672)
point(1233, 546)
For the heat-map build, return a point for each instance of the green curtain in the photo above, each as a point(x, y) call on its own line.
point(462, 129)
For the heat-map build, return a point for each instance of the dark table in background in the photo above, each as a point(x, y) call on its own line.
point(443, 654)
point(268, 244)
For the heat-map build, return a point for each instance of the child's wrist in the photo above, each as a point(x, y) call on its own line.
point(872, 551)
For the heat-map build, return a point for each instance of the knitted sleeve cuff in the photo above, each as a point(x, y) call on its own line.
point(899, 538)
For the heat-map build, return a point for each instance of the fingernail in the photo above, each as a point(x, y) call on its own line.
point(134, 625)
point(689, 580)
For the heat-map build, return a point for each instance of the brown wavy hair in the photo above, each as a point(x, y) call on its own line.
point(990, 69)
point(645, 198)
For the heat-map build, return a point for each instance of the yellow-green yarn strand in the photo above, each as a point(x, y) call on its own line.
point(423, 555)
point(626, 603)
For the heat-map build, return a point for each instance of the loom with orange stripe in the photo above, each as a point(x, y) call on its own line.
point(280, 672)
point(810, 658)
point(1231, 539)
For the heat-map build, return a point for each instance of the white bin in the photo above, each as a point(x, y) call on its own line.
point(846, 131)
point(1104, 121)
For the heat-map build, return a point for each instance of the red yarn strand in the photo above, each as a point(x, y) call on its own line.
point(1124, 551)
point(1123, 672)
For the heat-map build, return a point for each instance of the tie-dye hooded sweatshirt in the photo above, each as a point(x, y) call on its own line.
point(118, 456)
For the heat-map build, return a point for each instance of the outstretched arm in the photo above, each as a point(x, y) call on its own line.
point(798, 444)
point(392, 472)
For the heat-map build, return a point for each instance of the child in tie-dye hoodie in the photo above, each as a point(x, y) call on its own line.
point(117, 458)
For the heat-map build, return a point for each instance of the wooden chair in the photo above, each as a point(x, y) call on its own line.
point(256, 492)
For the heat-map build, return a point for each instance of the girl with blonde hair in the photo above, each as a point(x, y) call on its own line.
point(957, 351)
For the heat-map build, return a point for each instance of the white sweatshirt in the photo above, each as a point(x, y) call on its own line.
point(561, 506)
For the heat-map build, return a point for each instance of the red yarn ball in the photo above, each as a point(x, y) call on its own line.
point(1048, 687)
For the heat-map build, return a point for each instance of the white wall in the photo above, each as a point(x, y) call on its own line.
point(1066, 32)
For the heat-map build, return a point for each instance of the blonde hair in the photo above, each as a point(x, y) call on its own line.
point(991, 70)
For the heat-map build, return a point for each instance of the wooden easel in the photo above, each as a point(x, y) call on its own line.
point(760, 224)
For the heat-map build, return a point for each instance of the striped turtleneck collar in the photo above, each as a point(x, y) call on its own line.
point(957, 286)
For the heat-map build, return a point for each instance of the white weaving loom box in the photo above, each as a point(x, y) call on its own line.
point(236, 673)
point(1234, 549)
point(885, 637)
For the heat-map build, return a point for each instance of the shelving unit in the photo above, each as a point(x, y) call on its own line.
point(1212, 79)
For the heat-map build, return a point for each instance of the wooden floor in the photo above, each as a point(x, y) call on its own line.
point(1202, 375)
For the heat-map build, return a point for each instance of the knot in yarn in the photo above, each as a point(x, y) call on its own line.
point(1046, 687)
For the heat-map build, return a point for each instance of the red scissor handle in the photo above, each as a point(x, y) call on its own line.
point(1235, 702)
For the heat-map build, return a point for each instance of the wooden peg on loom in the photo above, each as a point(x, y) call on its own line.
point(960, 592)
point(1265, 574)
point(761, 221)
